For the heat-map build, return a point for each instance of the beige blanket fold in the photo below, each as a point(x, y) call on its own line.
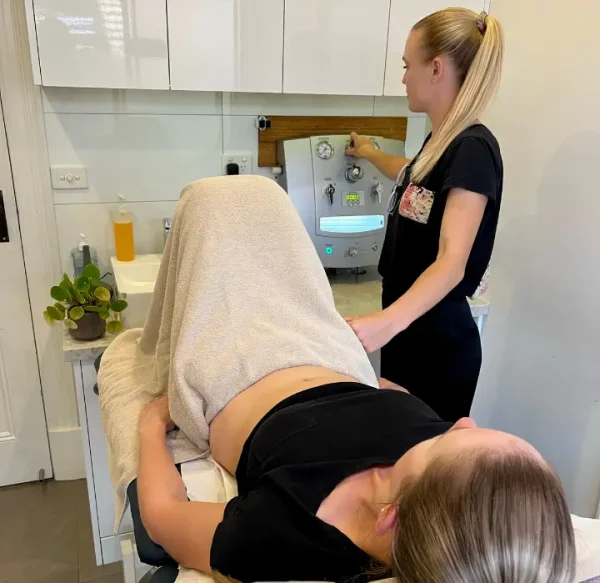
point(240, 294)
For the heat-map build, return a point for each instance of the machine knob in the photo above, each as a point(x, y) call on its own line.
point(377, 191)
point(375, 247)
point(353, 251)
point(354, 173)
point(329, 192)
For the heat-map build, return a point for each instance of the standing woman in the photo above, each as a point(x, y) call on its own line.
point(443, 214)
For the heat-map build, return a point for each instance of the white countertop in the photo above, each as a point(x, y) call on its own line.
point(75, 350)
point(353, 296)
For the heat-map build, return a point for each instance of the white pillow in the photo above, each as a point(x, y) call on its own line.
point(587, 540)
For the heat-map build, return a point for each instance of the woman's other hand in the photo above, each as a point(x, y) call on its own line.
point(156, 415)
point(373, 330)
point(360, 147)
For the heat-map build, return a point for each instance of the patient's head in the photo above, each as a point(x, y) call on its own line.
point(478, 505)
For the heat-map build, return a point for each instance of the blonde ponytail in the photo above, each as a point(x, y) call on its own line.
point(475, 43)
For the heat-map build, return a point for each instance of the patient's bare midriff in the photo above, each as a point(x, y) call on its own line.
point(232, 426)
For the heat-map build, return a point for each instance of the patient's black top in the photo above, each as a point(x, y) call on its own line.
point(292, 461)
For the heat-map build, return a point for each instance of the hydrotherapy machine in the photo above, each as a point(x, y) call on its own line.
point(341, 200)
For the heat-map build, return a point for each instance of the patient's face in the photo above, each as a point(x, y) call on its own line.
point(462, 437)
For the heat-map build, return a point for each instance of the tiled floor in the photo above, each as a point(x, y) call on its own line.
point(46, 536)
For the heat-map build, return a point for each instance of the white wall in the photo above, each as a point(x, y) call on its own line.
point(541, 376)
point(148, 145)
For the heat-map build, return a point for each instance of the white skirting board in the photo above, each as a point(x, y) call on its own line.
point(67, 453)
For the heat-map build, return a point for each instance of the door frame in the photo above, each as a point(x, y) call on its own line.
point(24, 121)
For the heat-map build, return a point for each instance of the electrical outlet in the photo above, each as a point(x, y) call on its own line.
point(69, 177)
point(242, 159)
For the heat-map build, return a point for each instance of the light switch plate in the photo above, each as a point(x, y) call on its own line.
point(242, 159)
point(69, 177)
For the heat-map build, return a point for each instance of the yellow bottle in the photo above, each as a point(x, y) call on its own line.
point(123, 229)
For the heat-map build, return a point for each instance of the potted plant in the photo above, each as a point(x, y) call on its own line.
point(85, 305)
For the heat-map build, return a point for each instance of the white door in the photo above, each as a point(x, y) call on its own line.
point(226, 45)
point(24, 447)
point(404, 14)
point(335, 46)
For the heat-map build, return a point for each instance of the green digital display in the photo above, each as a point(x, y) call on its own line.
point(352, 196)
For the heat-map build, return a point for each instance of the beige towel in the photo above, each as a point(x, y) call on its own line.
point(240, 294)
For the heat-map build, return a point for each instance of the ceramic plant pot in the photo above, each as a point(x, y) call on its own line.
point(90, 327)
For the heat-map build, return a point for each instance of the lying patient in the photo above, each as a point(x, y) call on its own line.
point(336, 477)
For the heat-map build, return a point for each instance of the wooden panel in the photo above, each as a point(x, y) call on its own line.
point(290, 127)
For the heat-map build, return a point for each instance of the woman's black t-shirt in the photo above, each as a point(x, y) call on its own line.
point(292, 461)
point(472, 162)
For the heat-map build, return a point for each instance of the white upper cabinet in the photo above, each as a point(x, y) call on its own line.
point(103, 43)
point(335, 46)
point(226, 45)
point(404, 14)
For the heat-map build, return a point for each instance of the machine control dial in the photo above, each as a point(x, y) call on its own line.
point(375, 247)
point(329, 191)
point(353, 251)
point(354, 173)
point(325, 150)
point(377, 191)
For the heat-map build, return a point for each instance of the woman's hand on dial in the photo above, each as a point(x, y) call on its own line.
point(360, 147)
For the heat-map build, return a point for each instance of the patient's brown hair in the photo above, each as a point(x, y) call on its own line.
point(491, 517)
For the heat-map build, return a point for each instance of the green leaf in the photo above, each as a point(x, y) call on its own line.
point(60, 307)
point(77, 296)
point(54, 313)
point(66, 279)
point(91, 271)
point(102, 294)
point(96, 309)
point(58, 293)
point(82, 284)
point(114, 327)
point(118, 306)
point(70, 324)
point(105, 314)
point(76, 313)
point(49, 319)
point(66, 287)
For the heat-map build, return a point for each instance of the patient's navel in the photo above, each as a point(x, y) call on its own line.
point(308, 379)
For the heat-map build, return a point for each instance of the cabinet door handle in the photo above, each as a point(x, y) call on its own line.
point(3, 223)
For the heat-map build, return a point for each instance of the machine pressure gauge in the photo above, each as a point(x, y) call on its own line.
point(324, 150)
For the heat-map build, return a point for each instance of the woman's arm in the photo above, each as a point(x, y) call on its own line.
point(386, 163)
point(462, 218)
point(184, 529)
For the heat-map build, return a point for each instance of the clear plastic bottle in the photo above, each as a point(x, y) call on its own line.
point(123, 229)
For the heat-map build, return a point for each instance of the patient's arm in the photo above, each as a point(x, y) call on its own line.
point(184, 529)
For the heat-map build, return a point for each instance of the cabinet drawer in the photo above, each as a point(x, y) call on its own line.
point(226, 45)
point(121, 44)
point(335, 47)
